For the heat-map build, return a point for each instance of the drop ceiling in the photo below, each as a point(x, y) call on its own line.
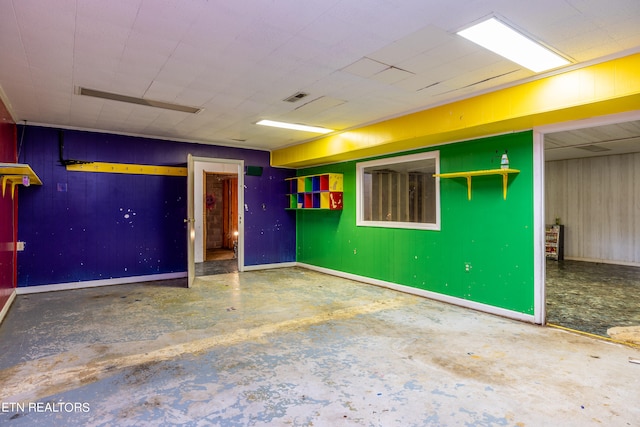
point(605, 140)
point(238, 61)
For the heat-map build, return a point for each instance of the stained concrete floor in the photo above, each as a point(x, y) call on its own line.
point(221, 266)
point(293, 347)
point(592, 297)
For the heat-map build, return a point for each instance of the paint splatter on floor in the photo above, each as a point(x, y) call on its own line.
point(299, 349)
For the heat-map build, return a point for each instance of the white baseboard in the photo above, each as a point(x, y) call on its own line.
point(6, 307)
point(603, 261)
point(269, 266)
point(131, 279)
point(401, 288)
point(96, 283)
point(427, 294)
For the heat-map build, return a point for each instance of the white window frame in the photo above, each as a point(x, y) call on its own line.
point(360, 167)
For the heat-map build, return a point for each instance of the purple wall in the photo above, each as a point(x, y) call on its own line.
point(83, 226)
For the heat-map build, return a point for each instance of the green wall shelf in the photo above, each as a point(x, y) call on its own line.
point(319, 192)
point(469, 174)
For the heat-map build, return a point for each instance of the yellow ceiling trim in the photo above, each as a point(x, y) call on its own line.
point(607, 88)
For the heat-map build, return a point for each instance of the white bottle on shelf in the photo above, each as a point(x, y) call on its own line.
point(504, 161)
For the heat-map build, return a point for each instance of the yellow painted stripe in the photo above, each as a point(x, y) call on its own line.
point(607, 88)
point(600, 337)
point(127, 168)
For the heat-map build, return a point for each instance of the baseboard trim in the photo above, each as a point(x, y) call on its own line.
point(96, 283)
point(269, 266)
point(603, 261)
point(426, 294)
point(7, 305)
point(389, 285)
point(132, 279)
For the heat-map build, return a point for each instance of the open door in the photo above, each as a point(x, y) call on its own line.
point(191, 224)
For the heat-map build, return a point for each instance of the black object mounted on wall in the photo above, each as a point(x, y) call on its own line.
point(253, 170)
point(63, 161)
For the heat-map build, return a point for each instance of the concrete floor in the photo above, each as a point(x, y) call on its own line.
point(222, 266)
point(293, 347)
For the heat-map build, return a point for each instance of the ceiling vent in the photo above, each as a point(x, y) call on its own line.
point(139, 101)
point(296, 97)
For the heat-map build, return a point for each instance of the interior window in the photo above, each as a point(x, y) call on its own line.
point(399, 192)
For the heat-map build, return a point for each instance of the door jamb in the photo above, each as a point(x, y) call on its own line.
point(540, 315)
point(190, 208)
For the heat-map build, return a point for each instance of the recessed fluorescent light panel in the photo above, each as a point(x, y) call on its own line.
point(294, 126)
point(507, 42)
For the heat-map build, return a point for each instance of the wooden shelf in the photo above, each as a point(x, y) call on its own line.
point(469, 174)
point(128, 168)
point(554, 242)
point(17, 173)
point(316, 192)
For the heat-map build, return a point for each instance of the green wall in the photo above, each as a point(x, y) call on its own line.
point(494, 236)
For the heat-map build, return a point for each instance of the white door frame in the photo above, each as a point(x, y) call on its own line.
point(238, 167)
point(540, 315)
point(539, 256)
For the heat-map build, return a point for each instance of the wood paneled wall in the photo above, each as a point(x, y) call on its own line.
point(598, 201)
point(404, 197)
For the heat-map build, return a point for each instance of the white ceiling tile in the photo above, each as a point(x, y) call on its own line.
point(366, 67)
point(213, 34)
point(419, 82)
point(150, 44)
point(167, 20)
point(192, 98)
point(240, 59)
point(264, 37)
point(392, 75)
point(34, 14)
point(100, 37)
point(14, 68)
point(160, 91)
point(10, 38)
point(114, 12)
point(309, 113)
point(334, 28)
point(180, 73)
point(292, 15)
point(423, 40)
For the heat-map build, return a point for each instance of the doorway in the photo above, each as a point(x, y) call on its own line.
point(230, 200)
point(220, 223)
point(588, 187)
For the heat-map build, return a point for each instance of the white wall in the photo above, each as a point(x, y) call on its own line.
point(598, 201)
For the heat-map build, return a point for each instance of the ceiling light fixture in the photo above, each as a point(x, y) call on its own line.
point(509, 43)
point(135, 100)
point(294, 126)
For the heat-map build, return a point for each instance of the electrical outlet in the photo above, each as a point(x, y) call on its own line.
point(20, 246)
